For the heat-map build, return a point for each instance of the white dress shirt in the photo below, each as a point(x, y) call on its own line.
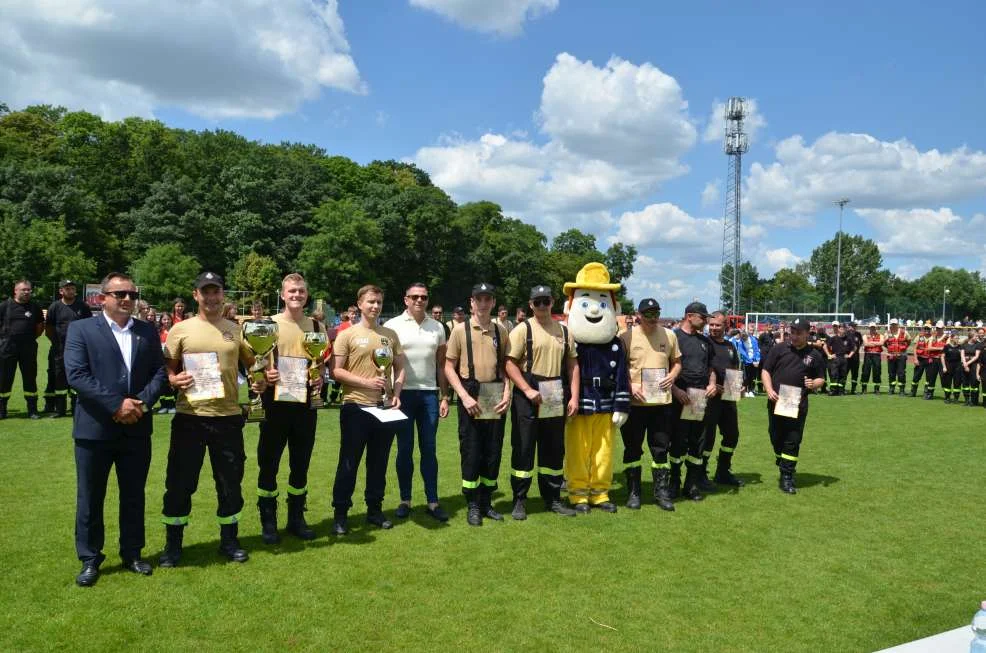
point(420, 343)
point(124, 339)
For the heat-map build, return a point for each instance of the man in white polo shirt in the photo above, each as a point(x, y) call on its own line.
point(423, 342)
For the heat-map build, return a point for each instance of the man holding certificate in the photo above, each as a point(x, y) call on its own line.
point(202, 354)
point(365, 356)
point(290, 418)
point(543, 365)
point(654, 362)
point(474, 367)
point(792, 369)
point(720, 412)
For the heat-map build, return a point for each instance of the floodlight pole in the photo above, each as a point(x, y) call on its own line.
point(944, 295)
point(838, 256)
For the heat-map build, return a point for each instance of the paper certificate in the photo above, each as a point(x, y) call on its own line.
point(552, 399)
point(490, 394)
point(732, 388)
point(650, 380)
point(293, 384)
point(694, 410)
point(206, 375)
point(385, 415)
point(788, 401)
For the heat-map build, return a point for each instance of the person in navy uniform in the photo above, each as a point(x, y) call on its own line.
point(62, 312)
point(21, 322)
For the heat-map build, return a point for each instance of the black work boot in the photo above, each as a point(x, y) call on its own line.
point(229, 543)
point(702, 477)
point(633, 487)
point(32, 408)
point(863, 389)
point(340, 522)
point(61, 406)
point(914, 389)
point(662, 488)
point(49, 405)
point(975, 398)
point(297, 525)
point(786, 482)
point(724, 476)
point(852, 389)
point(965, 394)
point(674, 482)
point(486, 504)
point(474, 517)
point(691, 489)
point(172, 546)
point(556, 506)
point(268, 519)
point(519, 511)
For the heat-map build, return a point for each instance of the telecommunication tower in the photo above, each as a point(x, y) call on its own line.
point(735, 146)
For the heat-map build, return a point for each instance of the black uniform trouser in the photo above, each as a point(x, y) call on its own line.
point(871, 367)
point(750, 374)
point(970, 378)
point(191, 436)
point(921, 365)
point(361, 432)
point(654, 422)
point(931, 373)
point(57, 381)
point(530, 435)
point(852, 369)
point(287, 424)
point(480, 451)
point(687, 439)
point(724, 416)
point(21, 351)
point(93, 460)
point(785, 436)
point(951, 379)
point(897, 371)
point(837, 372)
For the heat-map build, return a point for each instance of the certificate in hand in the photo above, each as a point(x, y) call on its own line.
point(552, 399)
point(788, 401)
point(732, 387)
point(490, 394)
point(694, 411)
point(207, 377)
point(293, 384)
point(650, 380)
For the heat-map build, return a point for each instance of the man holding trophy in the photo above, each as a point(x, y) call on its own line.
point(369, 362)
point(289, 404)
point(201, 355)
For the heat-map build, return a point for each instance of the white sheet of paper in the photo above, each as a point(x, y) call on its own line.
point(385, 414)
point(552, 399)
point(490, 394)
point(650, 380)
point(788, 401)
point(207, 377)
point(732, 388)
point(293, 385)
point(694, 411)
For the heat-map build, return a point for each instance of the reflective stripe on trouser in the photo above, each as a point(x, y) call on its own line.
point(290, 425)
point(530, 436)
point(785, 436)
point(25, 356)
point(721, 415)
point(480, 450)
point(589, 457)
point(654, 422)
point(687, 440)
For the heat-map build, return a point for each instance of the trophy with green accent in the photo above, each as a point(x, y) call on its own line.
point(315, 345)
point(383, 358)
point(261, 337)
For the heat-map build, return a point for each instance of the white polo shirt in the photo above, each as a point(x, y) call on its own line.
point(420, 343)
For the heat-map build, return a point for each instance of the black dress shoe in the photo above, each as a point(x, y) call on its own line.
point(89, 574)
point(583, 508)
point(606, 506)
point(560, 508)
point(403, 511)
point(378, 519)
point(519, 511)
point(438, 514)
point(138, 566)
point(473, 516)
point(340, 526)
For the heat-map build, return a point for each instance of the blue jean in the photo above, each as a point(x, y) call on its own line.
point(421, 408)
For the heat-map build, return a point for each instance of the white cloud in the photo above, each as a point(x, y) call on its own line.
point(710, 194)
point(769, 261)
point(503, 17)
point(127, 57)
point(716, 124)
point(873, 174)
point(922, 233)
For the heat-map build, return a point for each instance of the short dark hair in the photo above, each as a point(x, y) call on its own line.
point(416, 284)
point(367, 289)
point(501, 307)
point(20, 281)
point(114, 275)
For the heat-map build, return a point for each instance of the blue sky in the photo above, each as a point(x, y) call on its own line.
point(571, 112)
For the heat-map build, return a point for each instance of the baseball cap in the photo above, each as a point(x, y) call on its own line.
point(541, 291)
point(799, 324)
point(697, 307)
point(483, 289)
point(208, 279)
point(66, 282)
point(458, 309)
point(648, 304)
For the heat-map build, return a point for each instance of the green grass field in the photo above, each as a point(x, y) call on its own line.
point(883, 544)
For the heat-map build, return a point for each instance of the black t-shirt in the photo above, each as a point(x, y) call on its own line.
point(970, 348)
point(766, 340)
point(839, 345)
point(724, 356)
point(696, 359)
point(19, 320)
point(855, 340)
point(60, 315)
point(789, 366)
point(953, 354)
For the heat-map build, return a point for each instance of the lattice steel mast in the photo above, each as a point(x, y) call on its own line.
point(735, 146)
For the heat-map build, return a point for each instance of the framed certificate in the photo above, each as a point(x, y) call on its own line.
point(732, 387)
point(207, 377)
point(650, 380)
point(490, 394)
point(293, 384)
point(788, 401)
point(552, 399)
point(694, 410)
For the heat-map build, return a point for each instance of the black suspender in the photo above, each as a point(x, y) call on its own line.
point(530, 348)
point(496, 348)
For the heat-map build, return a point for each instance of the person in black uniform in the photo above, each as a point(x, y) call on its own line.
point(696, 372)
point(970, 353)
point(836, 348)
point(721, 413)
point(21, 322)
point(981, 336)
point(767, 338)
point(855, 341)
point(951, 370)
point(794, 364)
point(61, 313)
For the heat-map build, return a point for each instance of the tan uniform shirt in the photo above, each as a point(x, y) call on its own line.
point(291, 335)
point(197, 335)
point(484, 357)
point(657, 350)
point(356, 344)
point(547, 346)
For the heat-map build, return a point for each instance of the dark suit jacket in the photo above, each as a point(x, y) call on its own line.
point(95, 369)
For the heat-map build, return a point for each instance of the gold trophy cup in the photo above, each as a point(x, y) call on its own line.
point(261, 337)
point(315, 346)
point(383, 358)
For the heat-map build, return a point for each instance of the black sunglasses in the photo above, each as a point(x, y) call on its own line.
point(543, 301)
point(124, 294)
point(650, 315)
point(417, 298)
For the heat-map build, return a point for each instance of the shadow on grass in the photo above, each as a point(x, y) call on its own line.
point(811, 480)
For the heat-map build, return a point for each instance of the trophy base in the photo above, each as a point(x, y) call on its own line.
point(253, 413)
point(316, 402)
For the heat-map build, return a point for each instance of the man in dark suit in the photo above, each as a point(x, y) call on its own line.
point(115, 365)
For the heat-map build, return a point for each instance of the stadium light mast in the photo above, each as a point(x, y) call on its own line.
point(838, 256)
point(735, 145)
